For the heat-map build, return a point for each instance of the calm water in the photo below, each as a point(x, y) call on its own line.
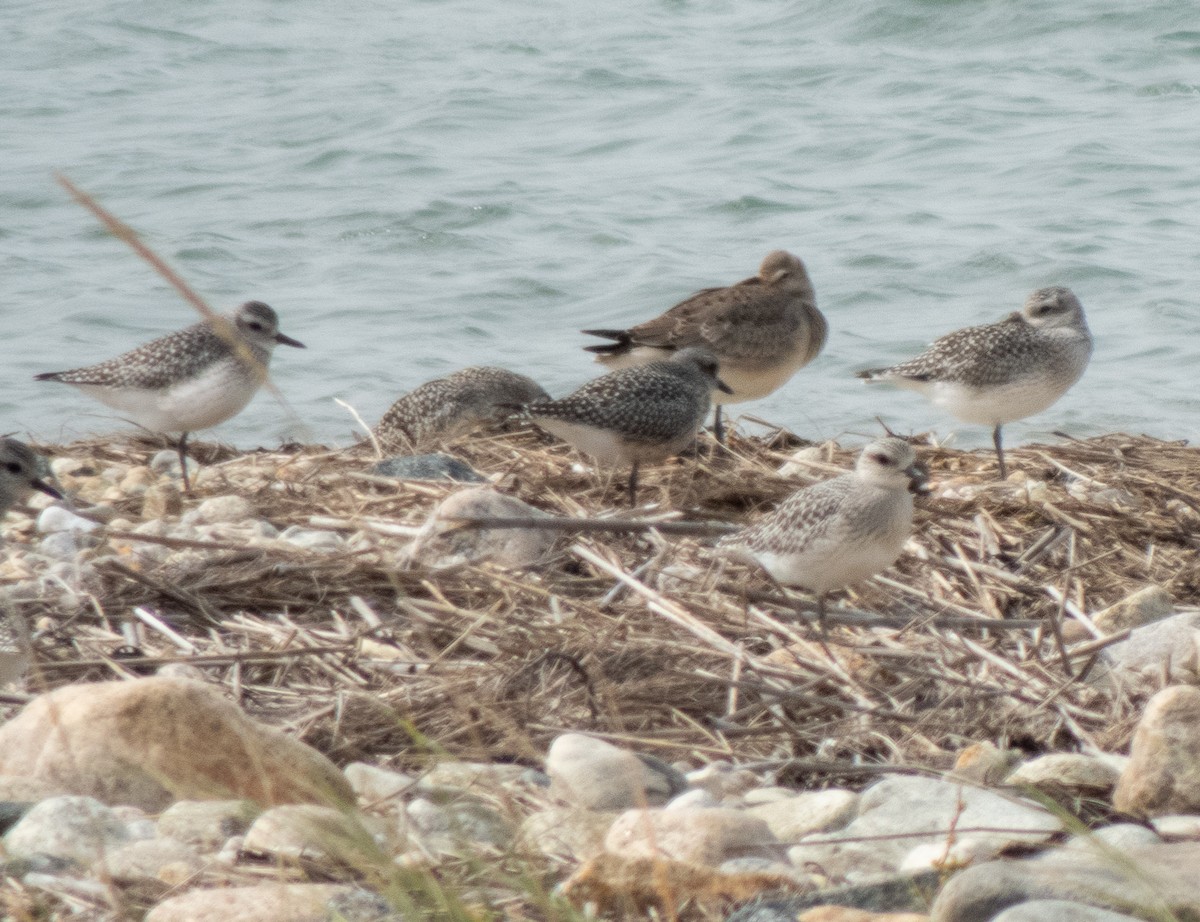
point(418, 186)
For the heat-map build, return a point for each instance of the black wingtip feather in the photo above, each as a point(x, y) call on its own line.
point(622, 344)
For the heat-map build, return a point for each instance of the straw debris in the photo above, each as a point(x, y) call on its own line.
point(981, 631)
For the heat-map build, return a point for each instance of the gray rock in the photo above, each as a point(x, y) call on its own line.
point(361, 906)
point(167, 462)
point(891, 811)
point(436, 466)
point(1069, 771)
point(313, 539)
point(376, 785)
point(1059, 911)
point(808, 812)
point(696, 797)
point(534, 778)
point(206, 824)
point(892, 894)
point(723, 780)
point(231, 509)
point(455, 827)
point(145, 859)
point(57, 518)
point(1169, 644)
point(470, 776)
point(1147, 605)
point(567, 833)
point(274, 901)
point(594, 774)
point(74, 828)
point(1119, 836)
point(768, 795)
point(444, 542)
point(296, 831)
point(1174, 828)
point(1149, 882)
point(61, 545)
point(702, 835)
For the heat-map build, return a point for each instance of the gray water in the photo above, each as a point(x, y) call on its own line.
point(416, 186)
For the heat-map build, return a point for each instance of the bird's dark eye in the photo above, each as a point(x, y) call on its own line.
point(882, 459)
point(13, 467)
point(255, 325)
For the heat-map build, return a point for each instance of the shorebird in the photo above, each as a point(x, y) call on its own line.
point(762, 331)
point(192, 379)
point(445, 407)
point(1005, 371)
point(635, 415)
point(20, 474)
point(840, 531)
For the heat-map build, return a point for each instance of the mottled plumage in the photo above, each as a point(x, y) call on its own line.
point(641, 414)
point(762, 330)
point(445, 407)
point(188, 380)
point(1003, 371)
point(839, 531)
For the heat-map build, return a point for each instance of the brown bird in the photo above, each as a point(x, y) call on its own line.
point(762, 331)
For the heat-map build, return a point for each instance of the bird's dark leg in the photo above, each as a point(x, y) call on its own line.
point(718, 425)
point(633, 484)
point(999, 452)
point(182, 449)
point(821, 622)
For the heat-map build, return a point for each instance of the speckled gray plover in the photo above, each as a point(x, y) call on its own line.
point(762, 331)
point(20, 474)
point(1005, 371)
point(635, 415)
point(446, 407)
point(840, 531)
point(192, 379)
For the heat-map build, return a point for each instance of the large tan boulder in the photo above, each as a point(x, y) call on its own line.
point(271, 902)
point(1163, 774)
point(153, 741)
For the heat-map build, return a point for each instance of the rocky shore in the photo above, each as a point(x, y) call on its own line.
point(309, 690)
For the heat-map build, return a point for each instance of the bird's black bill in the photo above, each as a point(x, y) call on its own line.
point(45, 488)
point(918, 479)
point(288, 341)
point(723, 387)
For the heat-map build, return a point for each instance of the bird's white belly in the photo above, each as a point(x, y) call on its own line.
point(824, 570)
point(992, 406)
point(607, 448)
point(198, 402)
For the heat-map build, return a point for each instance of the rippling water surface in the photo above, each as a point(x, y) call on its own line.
point(419, 186)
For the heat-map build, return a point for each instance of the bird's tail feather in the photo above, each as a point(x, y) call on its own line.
point(622, 342)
